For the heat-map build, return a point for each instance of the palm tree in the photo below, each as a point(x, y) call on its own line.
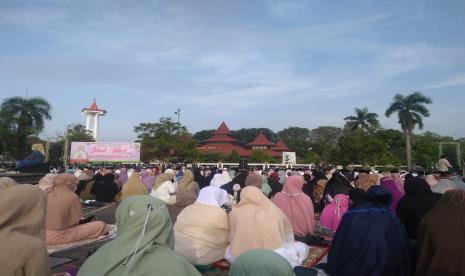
point(411, 110)
point(21, 118)
point(364, 120)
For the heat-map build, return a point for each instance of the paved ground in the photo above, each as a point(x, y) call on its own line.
point(80, 254)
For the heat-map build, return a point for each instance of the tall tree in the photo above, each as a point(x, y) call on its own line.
point(294, 133)
point(410, 110)
point(165, 140)
point(363, 119)
point(78, 133)
point(20, 119)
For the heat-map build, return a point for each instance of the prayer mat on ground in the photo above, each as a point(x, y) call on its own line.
point(63, 247)
point(55, 261)
point(315, 255)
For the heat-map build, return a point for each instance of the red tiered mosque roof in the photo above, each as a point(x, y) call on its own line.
point(221, 135)
point(280, 146)
point(260, 140)
point(222, 143)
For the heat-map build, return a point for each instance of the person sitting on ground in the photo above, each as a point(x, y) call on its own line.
point(164, 188)
point(86, 193)
point(412, 207)
point(143, 243)
point(366, 180)
point(261, 262)
point(186, 194)
point(105, 190)
point(457, 180)
point(84, 177)
point(148, 177)
point(133, 186)
point(297, 206)
point(444, 184)
point(123, 176)
point(266, 189)
point(35, 158)
point(370, 240)
point(340, 183)
point(22, 225)
point(46, 182)
point(441, 237)
point(389, 184)
point(64, 214)
point(202, 229)
point(273, 181)
point(318, 182)
point(356, 197)
point(333, 212)
point(255, 222)
point(219, 179)
point(6, 183)
point(254, 180)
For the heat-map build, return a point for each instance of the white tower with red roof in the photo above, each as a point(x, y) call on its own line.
point(93, 114)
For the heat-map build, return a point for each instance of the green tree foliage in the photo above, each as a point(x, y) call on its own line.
point(363, 119)
point(166, 140)
point(203, 135)
point(260, 156)
point(246, 135)
point(75, 133)
point(78, 133)
point(324, 144)
point(20, 119)
point(213, 157)
point(234, 157)
point(297, 139)
point(410, 110)
point(362, 148)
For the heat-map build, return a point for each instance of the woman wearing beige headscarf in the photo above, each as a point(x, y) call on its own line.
point(22, 224)
point(187, 193)
point(133, 186)
point(7, 182)
point(46, 182)
point(201, 233)
point(366, 180)
point(64, 213)
point(257, 223)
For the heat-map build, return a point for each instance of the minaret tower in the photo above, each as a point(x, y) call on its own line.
point(92, 118)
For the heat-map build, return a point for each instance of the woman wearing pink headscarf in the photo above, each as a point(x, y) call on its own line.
point(297, 206)
point(332, 213)
point(398, 181)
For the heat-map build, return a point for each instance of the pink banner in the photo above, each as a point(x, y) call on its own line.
point(83, 152)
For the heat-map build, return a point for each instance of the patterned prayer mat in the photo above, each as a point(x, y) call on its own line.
point(315, 255)
point(63, 247)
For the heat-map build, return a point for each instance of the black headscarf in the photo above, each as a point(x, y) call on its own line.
point(356, 197)
point(106, 189)
point(415, 204)
point(339, 184)
point(307, 188)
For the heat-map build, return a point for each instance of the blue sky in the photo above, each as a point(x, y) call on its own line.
point(250, 63)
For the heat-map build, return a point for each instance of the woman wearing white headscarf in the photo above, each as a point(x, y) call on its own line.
point(202, 229)
point(164, 187)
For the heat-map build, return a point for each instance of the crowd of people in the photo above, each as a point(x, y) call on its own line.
point(183, 221)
